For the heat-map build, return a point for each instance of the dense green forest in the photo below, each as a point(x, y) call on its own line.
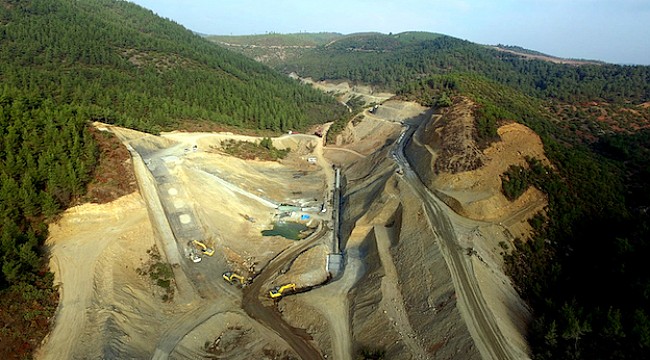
point(46, 158)
point(138, 70)
point(64, 63)
point(582, 270)
point(392, 61)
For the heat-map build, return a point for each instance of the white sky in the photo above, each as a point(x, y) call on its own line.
point(616, 31)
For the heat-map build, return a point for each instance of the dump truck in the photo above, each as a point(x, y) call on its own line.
point(205, 250)
point(278, 291)
point(234, 278)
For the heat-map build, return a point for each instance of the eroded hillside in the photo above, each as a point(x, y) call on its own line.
point(468, 178)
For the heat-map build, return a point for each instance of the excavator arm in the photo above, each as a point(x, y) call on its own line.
point(205, 250)
point(278, 291)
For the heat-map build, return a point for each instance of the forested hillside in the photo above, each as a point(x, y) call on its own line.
point(583, 269)
point(392, 61)
point(64, 63)
point(138, 70)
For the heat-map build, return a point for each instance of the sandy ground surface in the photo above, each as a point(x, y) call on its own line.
point(476, 193)
point(344, 91)
point(95, 251)
point(483, 218)
point(399, 291)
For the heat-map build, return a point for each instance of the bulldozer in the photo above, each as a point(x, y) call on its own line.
point(278, 291)
point(234, 278)
point(205, 250)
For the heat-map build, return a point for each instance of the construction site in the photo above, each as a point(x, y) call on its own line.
point(330, 252)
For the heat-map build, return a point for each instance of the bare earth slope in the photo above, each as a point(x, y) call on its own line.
point(486, 218)
point(95, 251)
point(468, 179)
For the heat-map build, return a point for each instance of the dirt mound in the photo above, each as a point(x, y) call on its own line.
point(397, 111)
point(308, 269)
point(344, 91)
point(373, 131)
point(231, 336)
point(404, 303)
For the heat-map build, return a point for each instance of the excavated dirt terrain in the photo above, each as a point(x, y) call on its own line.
point(453, 138)
point(397, 294)
point(468, 179)
point(95, 253)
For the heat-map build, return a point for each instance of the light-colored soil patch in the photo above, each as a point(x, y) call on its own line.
point(344, 91)
point(479, 191)
point(95, 251)
point(476, 193)
point(231, 336)
point(309, 268)
point(487, 219)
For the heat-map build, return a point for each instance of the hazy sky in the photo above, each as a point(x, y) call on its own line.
point(615, 31)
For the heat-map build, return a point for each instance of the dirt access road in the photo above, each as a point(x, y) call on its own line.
point(267, 315)
point(480, 320)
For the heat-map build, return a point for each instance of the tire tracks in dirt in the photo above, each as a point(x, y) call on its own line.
point(297, 339)
point(480, 320)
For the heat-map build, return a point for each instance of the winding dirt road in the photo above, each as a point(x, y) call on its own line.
point(268, 316)
point(487, 336)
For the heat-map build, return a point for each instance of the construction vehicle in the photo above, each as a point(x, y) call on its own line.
point(204, 249)
point(234, 278)
point(194, 256)
point(278, 291)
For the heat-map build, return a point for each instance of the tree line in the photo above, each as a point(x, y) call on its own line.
point(47, 156)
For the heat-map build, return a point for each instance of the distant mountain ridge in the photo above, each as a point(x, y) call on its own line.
point(391, 61)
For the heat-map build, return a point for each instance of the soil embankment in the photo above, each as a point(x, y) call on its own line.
point(95, 253)
point(468, 179)
point(487, 219)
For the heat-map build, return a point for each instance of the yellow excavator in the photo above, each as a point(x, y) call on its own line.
point(205, 250)
point(278, 291)
point(233, 278)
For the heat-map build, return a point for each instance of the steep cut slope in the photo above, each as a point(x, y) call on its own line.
point(133, 68)
point(468, 178)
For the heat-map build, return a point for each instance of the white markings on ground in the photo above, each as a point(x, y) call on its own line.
point(185, 219)
point(179, 204)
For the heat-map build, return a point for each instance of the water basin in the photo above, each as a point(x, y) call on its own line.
point(287, 229)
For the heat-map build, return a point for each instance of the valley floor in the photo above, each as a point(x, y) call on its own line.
point(399, 292)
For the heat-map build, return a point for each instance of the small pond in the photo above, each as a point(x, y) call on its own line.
point(286, 229)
